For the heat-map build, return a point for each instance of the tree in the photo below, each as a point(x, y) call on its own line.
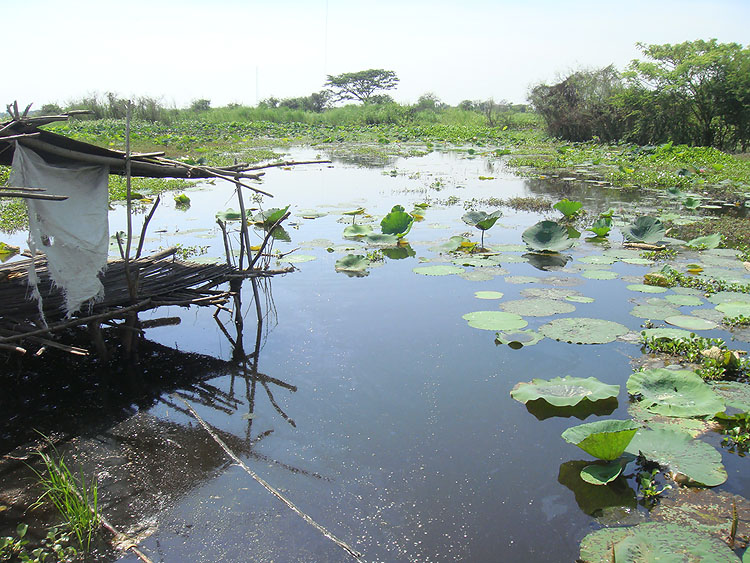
point(361, 85)
point(200, 105)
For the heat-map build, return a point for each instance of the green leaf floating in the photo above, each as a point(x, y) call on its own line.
point(653, 541)
point(352, 263)
point(677, 450)
point(438, 270)
point(381, 239)
point(645, 229)
point(357, 231)
point(547, 236)
point(705, 243)
point(734, 393)
point(567, 207)
point(603, 439)
point(398, 222)
point(670, 392)
point(517, 339)
point(481, 220)
point(537, 307)
point(690, 322)
point(488, 294)
point(495, 320)
point(229, 215)
point(565, 391)
point(734, 308)
point(581, 330)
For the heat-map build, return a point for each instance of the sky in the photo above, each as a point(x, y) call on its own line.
point(242, 51)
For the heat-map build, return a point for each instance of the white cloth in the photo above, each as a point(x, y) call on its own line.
point(74, 234)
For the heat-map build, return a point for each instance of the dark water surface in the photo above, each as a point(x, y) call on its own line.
point(401, 437)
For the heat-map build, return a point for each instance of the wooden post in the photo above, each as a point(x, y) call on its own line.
point(243, 229)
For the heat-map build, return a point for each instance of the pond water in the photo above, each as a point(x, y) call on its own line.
point(399, 435)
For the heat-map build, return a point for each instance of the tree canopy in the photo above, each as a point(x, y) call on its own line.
point(361, 85)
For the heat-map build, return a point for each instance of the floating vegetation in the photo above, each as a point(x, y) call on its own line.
point(537, 307)
point(670, 392)
point(495, 320)
point(299, 258)
point(438, 270)
point(565, 391)
point(644, 229)
point(690, 322)
point(581, 330)
point(482, 220)
point(353, 265)
point(517, 339)
point(705, 242)
point(599, 274)
point(568, 208)
point(488, 294)
point(547, 236)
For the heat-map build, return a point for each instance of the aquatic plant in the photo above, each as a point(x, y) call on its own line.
point(674, 392)
point(644, 229)
point(601, 226)
point(565, 391)
point(568, 208)
point(398, 222)
point(481, 220)
point(548, 236)
point(736, 431)
point(705, 242)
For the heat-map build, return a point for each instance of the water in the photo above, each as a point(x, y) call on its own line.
point(399, 435)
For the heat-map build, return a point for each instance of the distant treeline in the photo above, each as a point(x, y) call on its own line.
point(695, 93)
point(313, 109)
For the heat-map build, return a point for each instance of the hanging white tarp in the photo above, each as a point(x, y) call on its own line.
point(74, 234)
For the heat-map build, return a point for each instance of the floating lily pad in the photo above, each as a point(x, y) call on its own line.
point(475, 261)
point(690, 322)
point(311, 213)
point(734, 393)
point(600, 274)
point(643, 288)
point(482, 274)
point(299, 258)
point(352, 264)
point(670, 392)
point(518, 339)
point(488, 294)
point(537, 307)
point(547, 235)
point(549, 292)
point(685, 300)
point(678, 451)
point(598, 259)
point(378, 239)
point(693, 426)
point(453, 244)
point(579, 299)
point(522, 279)
point(509, 248)
point(654, 312)
point(357, 231)
point(729, 296)
point(638, 261)
point(509, 259)
point(581, 330)
point(734, 308)
point(703, 243)
point(645, 229)
point(653, 541)
point(687, 291)
point(229, 215)
point(495, 320)
point(565, 391)
point(603, 439)
point(601, 473)
point(438, 270)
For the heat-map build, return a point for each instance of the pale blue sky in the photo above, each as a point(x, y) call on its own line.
point(188, 49)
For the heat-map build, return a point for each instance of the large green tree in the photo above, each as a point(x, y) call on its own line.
point(361, 85)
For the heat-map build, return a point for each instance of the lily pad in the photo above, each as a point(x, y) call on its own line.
point(645, 229)
point(599, 274)
point(357, 231)
point(598, 259)
point(729, 296)
point(670, 392)
point(482, 274)
point(643, 288)
point(509, 259)
point(522, 279)
point(678, 451)
point(378, 239)
point(453, 244)
point(653, 541)
point(690, 322)
point(565, 391)
point(495, 320)
point(654, 312)
point(579, 299)
point(694, 426)
point(438, 270)
point(549, 292)
point(703, 243)
point(517, 339)
point(603, 439)
point(734, 308)
point(488, 294)
point(229, 215)
point(581, 330)
point(547, 235)
point(537, 307)
point(299, 258)
point(685, 300)
point(353, 264)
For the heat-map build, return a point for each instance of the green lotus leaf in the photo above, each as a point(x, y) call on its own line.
point(601, 226)
point(729, 296)
point(654, 312)
point(599, 274)
point(517, 339)
point(381, 239)
point(567, 207)
point(397, 222)
point(299, 258)
point(698, 461)
point(358, 211)
point(547, 235)
point(704, 243)
point(482, 274)
point(280, 233)
point(734, 308)
point(481, 220)
point(438, 270)
point(495, 320)
point(522, 279)
point(690, 322)
point(579, 299)
point(453, 244)
point(270, 216)
point(670, 392)
point(581, 330)
point(598, 259)
point(311, 213)
point(645, 229)
point(357, 231)
point(488, 294)
point(601, 474)
point(565, 391)
point(546, 261)
point(692, 202)
point(352, 263)
point(399, 252)
point(694, 426)
point(229, 215)
point(603, 439)
point(537, 307)
point(653, 541)
point(181, 199)
point(643, 288)
point(685, 300)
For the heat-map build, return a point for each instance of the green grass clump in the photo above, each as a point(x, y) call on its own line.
point(715, 359)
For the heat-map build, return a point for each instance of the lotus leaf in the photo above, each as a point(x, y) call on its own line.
point(579, 299)
point(654, 312)
point(690, 322)
point(567, 207)
point(549, 292)
point(565, 391)
point(400, 252)
point(357, 231)
point(599, 274)
point(642, 288)
point(453, 244)
point(692, 202)
point(704, 243)
point(482, 274)
point(537, 307)
point(517, 339)
point(508, 247)
point(592, 499)
point(603, 439)
point(684, 300)
point(353, 264)
point(677, 450)
point(298, 258)
point(645, 229)
point(311, 213)
point(547, 235)
point(522, 279)
point(488, 294)
point(229, 215)
point(477, 261)
point(354, 212)
point(734, 308)
point(653, 541)
point(638, 261)
point(495, 320)
point(381, 239)
point(728, 296)
point(509, 259)
point(598, 259)
point(581, 330)
point(481, 220)
point(181, 199)
point(693, 426)
point(670, 392)
point(270, 217)
point(397, 222)
point(601, 474)
point(438, 270)
point(601, 226)
point(734, 393)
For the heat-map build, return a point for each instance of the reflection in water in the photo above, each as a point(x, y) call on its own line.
point(593, 499)
point(542, 410)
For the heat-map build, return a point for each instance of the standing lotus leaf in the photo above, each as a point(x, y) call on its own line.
point(669, 392)
point(547, 236)
point(481, 220)
point(698, 461)
point(565, 391)
point(645, 229)
point(398, 222)
point(603, 439)
point(705, 243)
point(601, 226)
point(567, 207)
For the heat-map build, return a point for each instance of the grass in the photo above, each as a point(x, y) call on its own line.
point(74, 498)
